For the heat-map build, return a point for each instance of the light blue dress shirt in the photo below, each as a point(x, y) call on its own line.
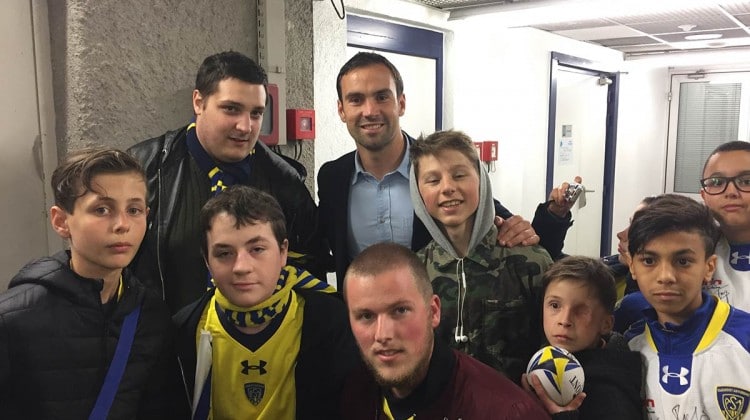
point(379, 211)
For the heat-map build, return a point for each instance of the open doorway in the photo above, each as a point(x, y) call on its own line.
point(582, 139)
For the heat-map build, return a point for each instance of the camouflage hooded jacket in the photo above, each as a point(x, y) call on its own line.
point(502, 301)
point(491, 298)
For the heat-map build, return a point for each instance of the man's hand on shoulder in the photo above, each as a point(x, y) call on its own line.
point(515, 231)
point(556, 203)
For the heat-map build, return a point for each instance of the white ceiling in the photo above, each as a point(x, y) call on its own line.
point(635, 27)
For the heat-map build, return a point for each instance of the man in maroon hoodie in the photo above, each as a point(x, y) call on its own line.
point(407, 373)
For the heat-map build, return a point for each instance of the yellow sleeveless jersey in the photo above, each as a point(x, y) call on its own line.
point(254, 384)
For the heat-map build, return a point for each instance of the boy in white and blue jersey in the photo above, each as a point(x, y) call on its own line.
point(725, 189)
point(695, 347)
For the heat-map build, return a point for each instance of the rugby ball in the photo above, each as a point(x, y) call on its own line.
point(559, 371)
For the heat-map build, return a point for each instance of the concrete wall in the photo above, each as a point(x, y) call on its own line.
point(125, 71)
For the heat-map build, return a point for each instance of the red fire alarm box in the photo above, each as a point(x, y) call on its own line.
point(300, 124)
point(487, 151)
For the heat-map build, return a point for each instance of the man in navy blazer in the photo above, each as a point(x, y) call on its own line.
point(364, 195)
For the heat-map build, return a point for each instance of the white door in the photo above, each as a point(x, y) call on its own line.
point(580, 135)
point(418, 74)
point(705, 111)
point(24, 228)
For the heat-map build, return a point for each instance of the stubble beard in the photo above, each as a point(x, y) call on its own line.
point(407, 381)
point(375, 144)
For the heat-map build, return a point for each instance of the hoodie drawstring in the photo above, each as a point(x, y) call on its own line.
point(461, 276)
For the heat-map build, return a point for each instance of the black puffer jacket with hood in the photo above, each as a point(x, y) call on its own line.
point(57, 341)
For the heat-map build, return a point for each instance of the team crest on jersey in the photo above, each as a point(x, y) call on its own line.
point(254, 392)
point(733, 402)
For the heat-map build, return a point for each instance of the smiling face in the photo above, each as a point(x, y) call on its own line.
point(574, 318)
point(732, 207)
point(393, 324)
point(671, 270)
point(106, 226)
point(449, 185)
point(244, 261)
point(370, 107)
point(228, 121)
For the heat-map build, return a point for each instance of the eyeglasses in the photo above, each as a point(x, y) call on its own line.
point(718, 184)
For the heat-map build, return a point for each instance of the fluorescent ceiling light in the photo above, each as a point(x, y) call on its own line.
point(702, 37)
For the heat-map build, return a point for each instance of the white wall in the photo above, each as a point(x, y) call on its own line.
point(641, 140)
point(644, 120)
point(502, 93)
point(497, 88)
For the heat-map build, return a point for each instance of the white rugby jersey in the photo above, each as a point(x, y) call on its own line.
point(731, 281)
point(700, 369)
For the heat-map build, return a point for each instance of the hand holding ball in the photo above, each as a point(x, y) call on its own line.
point(559, 372)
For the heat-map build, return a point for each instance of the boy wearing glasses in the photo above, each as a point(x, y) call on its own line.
point(726, 191)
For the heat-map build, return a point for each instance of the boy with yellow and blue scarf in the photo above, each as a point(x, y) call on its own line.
point(269, 341)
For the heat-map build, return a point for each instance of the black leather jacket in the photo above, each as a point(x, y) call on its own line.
point(166, 160)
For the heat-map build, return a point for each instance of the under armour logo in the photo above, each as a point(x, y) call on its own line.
point(682, 375)
point(736, 257)
point(260, 367)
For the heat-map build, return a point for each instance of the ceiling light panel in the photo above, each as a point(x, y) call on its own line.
point(672, 25)
point(725, 34)
point(574, 24)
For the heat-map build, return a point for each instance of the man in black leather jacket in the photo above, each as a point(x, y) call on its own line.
point(219, 148)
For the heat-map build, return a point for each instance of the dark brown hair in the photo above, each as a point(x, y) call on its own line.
point(588, 271)
point(72, 179)
point(248, 206)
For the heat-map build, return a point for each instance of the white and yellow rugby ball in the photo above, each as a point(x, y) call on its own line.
point(559, 371)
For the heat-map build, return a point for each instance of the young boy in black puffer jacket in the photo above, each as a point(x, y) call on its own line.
point(80, 337)
point(579, 298)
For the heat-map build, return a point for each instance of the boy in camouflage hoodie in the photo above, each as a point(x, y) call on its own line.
point(490, 294)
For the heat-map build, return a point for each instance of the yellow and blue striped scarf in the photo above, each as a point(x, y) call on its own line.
point(290, 278)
